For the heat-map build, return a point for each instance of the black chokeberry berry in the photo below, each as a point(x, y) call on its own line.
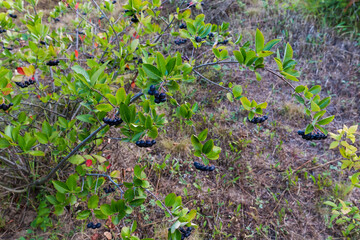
point(162, 96)
point(57, 19)
point(152, 88)
point(27, 83)
point(98, 225)
point(148, 143)
point(12, 15)
point(182, 26)
point(142, 143)
point(211, 35)
point(113, 2)
point(90, 225)
point(156, 93)
point(134, 19)
point(198, 39)
point(157, 101)
point(150, 92)
point(153, 142)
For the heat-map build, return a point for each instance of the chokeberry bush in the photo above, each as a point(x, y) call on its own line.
point(63, 88)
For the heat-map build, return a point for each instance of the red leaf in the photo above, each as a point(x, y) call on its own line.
point(133, 84)
point(108, 157)
point(76, 53)
point(76, 6)
point(96, 45)
point(88, 162)
point(20, 71)
point(38, 96)
point(108, 166)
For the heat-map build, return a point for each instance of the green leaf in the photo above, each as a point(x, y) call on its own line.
point(237, 91)
point(160, 61)
point(324, 103)
point(106, 209)
point(86, 118)
point(314, 107)
point(259, 41)
point(60, 186)
point(83, 215)
point(288, 55)
point(153, 133)
point(309, 129)
point(36, 153)
point(151, 71)
point(246, 103)
point(76, 159)
point(315, 89)
point(125, 113)
point(170, 199)
point(120, 95)
point(96, 75)
point(271, 44)
point(239, 57)
point(93, 202)
point(79, 70)
point(325, 121)
point(4, 143)
point(170, 65)
point(203, 135)
point(299, 89)
point(104, 107)
point(71, 182)
point(208, 146)
point(330, 204)
point(196, 143)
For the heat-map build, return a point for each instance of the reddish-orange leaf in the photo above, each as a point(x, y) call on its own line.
point(133, 84)
point(20, 71)
point(108, 166)
point(76, 6)
point(88, 162)
point(96, 45)
point(7, 92)
point(76, 53)
point(38, 96)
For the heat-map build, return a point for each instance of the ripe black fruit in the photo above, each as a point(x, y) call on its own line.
point(113, 2)
point(258, 119)
point(147, 143)
point(182, 26)
point(112, 122)
point(185, 233)
point(201, 167)
point(310, 136)
point(224, 42)
point(198, 39)
point(53, 63)
point(98, 225)
point(12, 15)
point(180, 41)
point(2, 30)
point(5, 107)
point(211, 35)
point(134, 19)
point(57, 19)
point(90, 225)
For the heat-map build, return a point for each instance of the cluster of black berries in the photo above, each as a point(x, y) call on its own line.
point(185, 233)
point(159, 97)
point(182, 26)
point(43, 43)
point(198, 39)
point(224, 42)
point(109, 190)
point(93, 226)
point(180, 41)
point(146, 143)
point(25, 83)
point(201, 167)
point(12, 15)
point(2, 30)
point(5, 107)
point(258, 119)
point(112, 122)
point(317, 136)
point(53, 62)
point(210, 35)
point(113, 2)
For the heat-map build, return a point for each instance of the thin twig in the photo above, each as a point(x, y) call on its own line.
point(228, 89)
point(162, 204)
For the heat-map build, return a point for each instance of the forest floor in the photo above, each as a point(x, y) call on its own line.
point(262, 186)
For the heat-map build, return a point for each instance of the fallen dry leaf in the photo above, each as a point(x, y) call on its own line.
point(108, 235)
